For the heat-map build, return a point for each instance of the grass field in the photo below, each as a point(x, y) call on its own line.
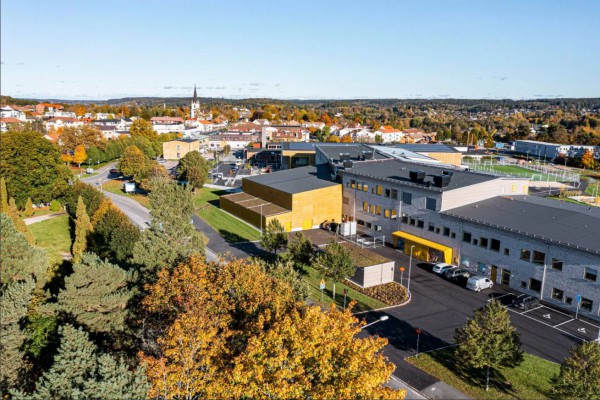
point(593, 188)
point(530, 380)
point(363, 302)
point(54, 235)
point(115, 186)
point(206, 204)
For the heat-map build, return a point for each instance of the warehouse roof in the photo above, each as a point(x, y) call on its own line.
point(399, 171)
point(297, 180)
point(559, 222)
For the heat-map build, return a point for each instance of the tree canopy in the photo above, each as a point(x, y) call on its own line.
point(274, 237)
point(193, 168)
point(579, 376)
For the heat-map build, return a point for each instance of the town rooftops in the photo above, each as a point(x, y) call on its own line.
point(567, 224)
point(297, 180)
point(399, 171)
point(190, 140)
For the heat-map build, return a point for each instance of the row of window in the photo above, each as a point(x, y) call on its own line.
point(535, 285)
point(431, 203)
point(486, 243)
point(376, 209)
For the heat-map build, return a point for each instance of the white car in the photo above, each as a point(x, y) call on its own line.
point(441, 268)
point(477, 283)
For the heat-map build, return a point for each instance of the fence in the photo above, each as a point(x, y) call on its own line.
point(533, 172)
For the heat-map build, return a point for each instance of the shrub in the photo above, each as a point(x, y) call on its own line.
point(55, 205)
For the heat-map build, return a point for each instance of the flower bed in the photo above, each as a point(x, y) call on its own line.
point(389, 293)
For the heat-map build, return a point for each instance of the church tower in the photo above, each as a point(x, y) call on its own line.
point(195, 108)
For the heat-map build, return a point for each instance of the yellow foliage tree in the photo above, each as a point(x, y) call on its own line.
point(230, 330)
point(333, 139)
point(80, 155)
point(66, 157)
point(347, 139)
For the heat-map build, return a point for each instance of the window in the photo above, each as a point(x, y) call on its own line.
point(377, 228)
point(495, 245)
point(346, 200)
point(586, 304)
point(523, 285)
point(378, 210)
point(404, 219)
point(538, 257)
point(412, 221)
point(506, 251)
point(379, 189)
point(372, 209)
point(525, 255)
point(359, 186)
point(365, 206)
point(368, 225)
point(386, 193)
point(453, 235)
point(475, 241)
point(590, 274)
point(437, 230)
point(466, 237)
point(557, 264)
point(431, 227)
point(365, 187)
point(394, 214)
point(569, 300)
point(557, 294)
point(535, 285)
point(407, 198)
point(386, 213)
point(394, 194)
point(352, 183)
point(483, 242)
point(446, 231)
point(420, 223)
point(431, 204)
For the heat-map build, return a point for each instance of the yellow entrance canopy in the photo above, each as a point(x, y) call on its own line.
point(424, 244)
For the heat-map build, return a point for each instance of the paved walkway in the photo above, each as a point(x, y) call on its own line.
point(40, 218)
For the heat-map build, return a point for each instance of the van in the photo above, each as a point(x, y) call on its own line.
point(441, 268)
point(477, 283)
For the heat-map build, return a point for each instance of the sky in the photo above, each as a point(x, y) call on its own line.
point(326, 49)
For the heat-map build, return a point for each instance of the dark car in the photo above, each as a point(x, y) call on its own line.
point(113, 171)
point(457, 274)
point(526, 302)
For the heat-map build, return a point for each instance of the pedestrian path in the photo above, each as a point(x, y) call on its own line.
point(40, 218)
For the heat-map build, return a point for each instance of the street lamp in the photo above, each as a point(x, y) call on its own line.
point(383, 318)
point(410, 267)
point(261, 218)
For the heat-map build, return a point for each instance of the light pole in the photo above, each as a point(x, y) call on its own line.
point(383, 318)
point(410, 267)
point(261, 218)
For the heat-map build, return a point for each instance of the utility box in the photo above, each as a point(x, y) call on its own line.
point(129, 187)
point(348, 228)
point(89, 171)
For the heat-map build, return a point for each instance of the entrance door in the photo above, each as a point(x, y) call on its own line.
point(505, 277)
point(494, 273)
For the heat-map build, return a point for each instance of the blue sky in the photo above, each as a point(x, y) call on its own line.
point(301, 49)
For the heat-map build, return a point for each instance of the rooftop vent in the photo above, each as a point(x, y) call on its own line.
point(344, 156)
point(417, 175)
point(441, 180)
point(348, 164)
point(449, 173)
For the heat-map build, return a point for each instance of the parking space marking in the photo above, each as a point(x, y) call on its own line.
point(542, 322)
point(572, 319)
point(504, 295)
point(585, 322)
point(531, 309)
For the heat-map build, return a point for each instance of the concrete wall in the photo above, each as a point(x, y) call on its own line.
point(483, 191)
point(374, 275)
point(173, 148)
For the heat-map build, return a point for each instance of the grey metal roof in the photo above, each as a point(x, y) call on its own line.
point(555, 221)
point(297, 180)
point(333, 151)
point(399, 171)
point(303, 146)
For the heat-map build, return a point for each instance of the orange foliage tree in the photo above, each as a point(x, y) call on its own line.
point(347, 139)
point(216, 323)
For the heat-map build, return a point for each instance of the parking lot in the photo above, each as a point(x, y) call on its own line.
point(579, 328)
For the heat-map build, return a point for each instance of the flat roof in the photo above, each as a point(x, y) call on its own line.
point(427, 148)
point(559, 222)
point(399, 171)
point(334, 150)
point(297, 180)
point(255, 204)
point(305, 146)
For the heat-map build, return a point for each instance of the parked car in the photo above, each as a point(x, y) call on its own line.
point(455, 274)
point(441, 268)
point(526, 302)
point(478, 283)
point(113, 171)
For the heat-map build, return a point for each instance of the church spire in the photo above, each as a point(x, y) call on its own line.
point(195, 99)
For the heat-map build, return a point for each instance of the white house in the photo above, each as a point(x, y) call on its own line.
point(9, 112)
point(167, 124)
point(62, 122)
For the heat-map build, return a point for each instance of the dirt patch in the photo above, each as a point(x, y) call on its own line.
point(389, 293)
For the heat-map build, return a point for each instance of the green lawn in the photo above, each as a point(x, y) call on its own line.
point(54, 235)
point(115, 186)
point(530, 380)
point(206, 204)
point(593, 188)
point(313, 278)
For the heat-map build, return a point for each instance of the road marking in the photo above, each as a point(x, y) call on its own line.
point(542, 322)
point(572, 319)
point(531, 309)
point(582, 330)
point(504, 295)
point(547, 316)
point(585, 322)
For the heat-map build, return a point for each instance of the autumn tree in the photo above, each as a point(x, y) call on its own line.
point(141, 127)
point(587, 159)
point(20, 225)
point(378, 139)
point(333, 139)
point(85, 135)
point(193, 168)
point(336, 263)
point(133, 163)
point(171, 237)
point(3, 196)
point(274, 237)
point(347, 139)
point(32, 167)
point(83, 227)
point(97, 294)
point(79, 155)
point(579, 376)
point(28, 210)
point(488, 340)
point(155, 170)
point(80, 371)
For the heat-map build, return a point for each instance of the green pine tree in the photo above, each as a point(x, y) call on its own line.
point(96, 294)
point(13, 213)
point(28, 211)
point(83, 226)
point(79, 372)
point(14, 301)
point(488, 340)
point(274, 237)
point(579, 376)
point(3, 196)
point(20, 260)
